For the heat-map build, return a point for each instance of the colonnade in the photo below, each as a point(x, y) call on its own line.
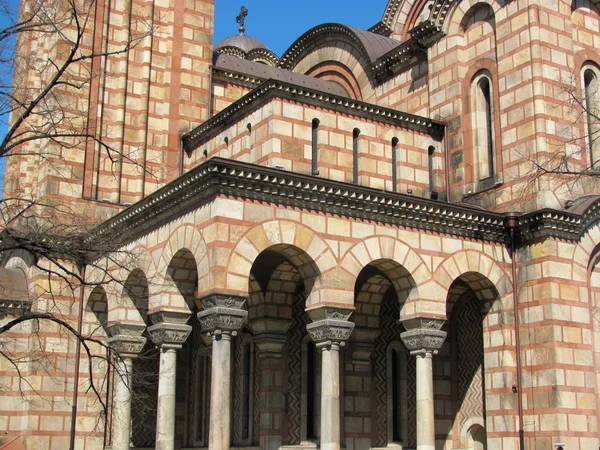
point(222, 318)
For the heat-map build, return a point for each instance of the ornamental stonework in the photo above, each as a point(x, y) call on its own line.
point(333, 330)
point(423, 339)
point(222, 320)
point(127, 346)
point(169, 335)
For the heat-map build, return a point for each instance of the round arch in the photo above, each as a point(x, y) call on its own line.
point(473, 262)
point(392, 252)
point(302, 246)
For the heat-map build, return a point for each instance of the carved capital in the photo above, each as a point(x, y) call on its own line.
point(426, 323)
point(126, 338)
point(223, 300)
point(219, 319)
point(169, 335)
point(423, 340)
point(330, 331)
point(329, 312)
point(127, 346)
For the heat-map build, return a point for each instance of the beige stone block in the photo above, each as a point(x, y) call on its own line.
point(338, 227)
point(315, 222)
point(362, 230)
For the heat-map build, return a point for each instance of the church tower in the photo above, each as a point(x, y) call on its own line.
point(139, 74)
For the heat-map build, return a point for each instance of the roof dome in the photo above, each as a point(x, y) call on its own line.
point(242, 42)
point(246, 47)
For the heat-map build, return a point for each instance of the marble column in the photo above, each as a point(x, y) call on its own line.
point(222, 318)
point(127, 341)
point(329, 331)
point(169, 332)
point(423, 339)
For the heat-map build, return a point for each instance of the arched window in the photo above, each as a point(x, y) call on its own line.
point(483, 128)
point(590, 85)
point(394, 165)
point(397, 393)
point(315, 147)
point(355, 135)
point(430, 152)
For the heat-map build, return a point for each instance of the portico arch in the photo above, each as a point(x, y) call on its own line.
point(474, 309)
point(301, 246)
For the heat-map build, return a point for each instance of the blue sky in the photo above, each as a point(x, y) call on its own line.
point(274, 22)
point(279, 23)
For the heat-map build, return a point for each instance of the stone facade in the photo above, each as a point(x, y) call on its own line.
point(344, 247)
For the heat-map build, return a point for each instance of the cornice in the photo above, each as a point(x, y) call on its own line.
point(551, 223)
point(390, 13)
point(381, 28)
point(219, 176)
point(226, 177)
point(273, 88)
point(398, 59)
point(240, 79)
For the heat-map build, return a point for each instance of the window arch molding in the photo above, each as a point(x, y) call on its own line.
point(590, 95)
point(482, 118)
point(475, 183)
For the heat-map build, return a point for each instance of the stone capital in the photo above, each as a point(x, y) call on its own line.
point(329, 312)
point(127, 346)
point(423, 340)
point(328, 332)
point(169, 335)
point(126, 338)
point(223, 300)
point(218, 320)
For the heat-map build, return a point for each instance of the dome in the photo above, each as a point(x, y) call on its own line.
point(246, 47)
point(241, 42)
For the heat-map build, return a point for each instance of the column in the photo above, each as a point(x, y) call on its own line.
point(423, 339)
point(127, 341)
point(169, 332)
point(329, 331)
point(222, 318)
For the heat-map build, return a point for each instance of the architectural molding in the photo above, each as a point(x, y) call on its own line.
point(127, 346)
point(329, 331)
point(170, 330)
point(280, 89)
point(219, 320)
point(223, 313)
point(169, 335)
point(220, 176)
point(422, 340)
point(14, 308)
point(126, 338)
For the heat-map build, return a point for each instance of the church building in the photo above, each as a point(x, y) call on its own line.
point(381, 239)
